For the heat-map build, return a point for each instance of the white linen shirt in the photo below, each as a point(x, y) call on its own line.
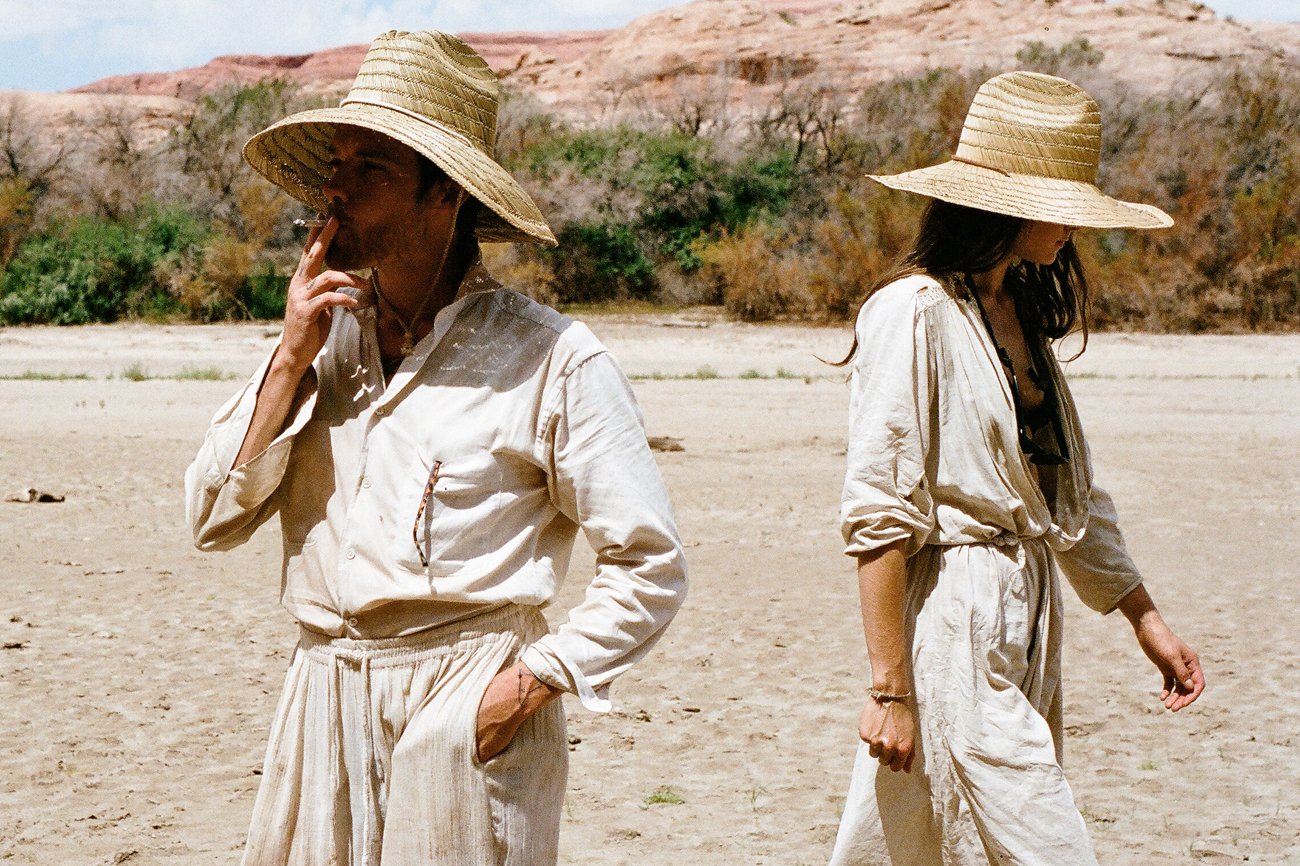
point(934, 455)
point(535, 432)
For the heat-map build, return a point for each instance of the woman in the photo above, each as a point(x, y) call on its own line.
point(968, 481)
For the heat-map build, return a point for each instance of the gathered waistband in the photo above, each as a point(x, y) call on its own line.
point(1005, 538)
point(457, 636)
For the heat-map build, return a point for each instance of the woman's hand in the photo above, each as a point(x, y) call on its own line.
point(313, 294)
point(1178, 663)
point(889, 729)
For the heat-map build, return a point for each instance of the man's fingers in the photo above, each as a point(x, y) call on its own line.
point(315, 231)
point(329, 299)
point(317, 243)
point(332, 281)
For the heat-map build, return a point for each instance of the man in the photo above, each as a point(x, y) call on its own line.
point(431, 443)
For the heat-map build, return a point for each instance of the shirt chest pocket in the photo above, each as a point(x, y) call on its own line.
point(451, 519)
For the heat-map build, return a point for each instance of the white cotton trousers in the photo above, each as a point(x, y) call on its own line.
point(372, 759)
point(986, 786)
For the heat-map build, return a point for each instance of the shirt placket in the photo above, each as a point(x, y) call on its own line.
point(362, 530)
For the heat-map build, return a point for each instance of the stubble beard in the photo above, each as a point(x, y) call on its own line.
point(344, 253)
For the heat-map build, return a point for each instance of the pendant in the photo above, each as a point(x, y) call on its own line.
point(407, 346)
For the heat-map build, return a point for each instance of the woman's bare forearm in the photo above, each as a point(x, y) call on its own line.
point(1138, 605)
point(882, 589)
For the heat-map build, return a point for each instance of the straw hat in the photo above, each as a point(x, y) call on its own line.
point(431, 92)
point(1029, 148)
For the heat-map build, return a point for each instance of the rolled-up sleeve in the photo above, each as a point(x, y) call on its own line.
point(1098, 565)
point(223, 505)
point(605, 479)
point(886, 497)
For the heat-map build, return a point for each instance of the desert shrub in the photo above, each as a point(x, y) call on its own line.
point(853, 246)
point(765, 211)
point(597, 262)
point(1226, 164)
point(1064, 60)
point(665, 190)
point(163, 263)
point(522, 268)
point(33, 167)
point(98, 270)
point(264, 291)
point(757, 278)
point(17, 211)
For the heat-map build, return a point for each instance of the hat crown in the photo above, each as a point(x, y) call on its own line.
point(1033, 124)
point(433, 77)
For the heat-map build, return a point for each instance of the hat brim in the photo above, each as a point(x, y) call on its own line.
point(1065, 202)
point(294, 154)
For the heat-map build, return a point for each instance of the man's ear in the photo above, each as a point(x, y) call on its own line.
point(450, 191)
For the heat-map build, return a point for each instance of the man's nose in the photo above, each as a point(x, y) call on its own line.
point(333, 187)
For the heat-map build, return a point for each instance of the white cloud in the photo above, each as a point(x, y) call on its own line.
point(117, 36)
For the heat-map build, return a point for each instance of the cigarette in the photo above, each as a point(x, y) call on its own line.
point(311, 224)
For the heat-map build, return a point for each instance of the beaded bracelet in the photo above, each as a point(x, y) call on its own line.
point(885, 698)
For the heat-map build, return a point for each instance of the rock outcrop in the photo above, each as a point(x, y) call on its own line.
point(738, 52)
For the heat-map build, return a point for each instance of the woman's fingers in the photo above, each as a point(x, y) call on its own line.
point(1184, 692)
point(888, 729)
point(895, 756)
point(1183, 679)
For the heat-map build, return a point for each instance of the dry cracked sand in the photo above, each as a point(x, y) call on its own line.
point(138, 676)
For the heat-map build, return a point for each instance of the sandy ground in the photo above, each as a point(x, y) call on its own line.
point(138, 676)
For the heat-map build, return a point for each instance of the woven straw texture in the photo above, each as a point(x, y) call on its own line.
point(431, 92)
point(1030, 148)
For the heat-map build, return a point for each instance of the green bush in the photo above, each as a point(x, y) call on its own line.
point(596, 262)
point(666, 188)
point(265, 292)
point(97, 270)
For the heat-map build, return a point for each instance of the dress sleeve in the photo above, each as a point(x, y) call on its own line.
point(886, 497)
point(1098, 565)
point(605, 479)
point(225, 506)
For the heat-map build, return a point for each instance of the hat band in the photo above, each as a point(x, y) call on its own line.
point(414, 115)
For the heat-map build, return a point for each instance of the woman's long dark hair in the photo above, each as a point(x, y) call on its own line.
point(955, 241)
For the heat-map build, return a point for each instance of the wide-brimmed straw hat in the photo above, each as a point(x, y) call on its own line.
point(1029, 148)
point(431, 92)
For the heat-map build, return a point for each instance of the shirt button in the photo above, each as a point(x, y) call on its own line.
point(352, 621)
point(381, 411)
point(352, 554)
point(365, 482)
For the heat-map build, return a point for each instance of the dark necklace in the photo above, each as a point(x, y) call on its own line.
point(1036, 453)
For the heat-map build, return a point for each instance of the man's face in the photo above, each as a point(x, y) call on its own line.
point(374, 192)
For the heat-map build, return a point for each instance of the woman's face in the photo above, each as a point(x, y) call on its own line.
point(1040, 242)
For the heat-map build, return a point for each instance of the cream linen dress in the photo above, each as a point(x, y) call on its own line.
point(934, 461)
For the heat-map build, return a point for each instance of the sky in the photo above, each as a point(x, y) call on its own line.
point(50, 45)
